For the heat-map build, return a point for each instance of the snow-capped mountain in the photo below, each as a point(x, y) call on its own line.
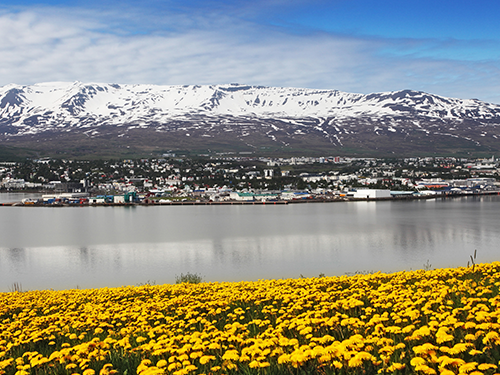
point(253, 117)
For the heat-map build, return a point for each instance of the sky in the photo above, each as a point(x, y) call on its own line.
point(444, 47)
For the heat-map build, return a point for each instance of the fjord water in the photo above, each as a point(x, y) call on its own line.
point(87, 247)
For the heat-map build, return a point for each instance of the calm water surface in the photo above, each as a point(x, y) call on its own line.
point(86, 247)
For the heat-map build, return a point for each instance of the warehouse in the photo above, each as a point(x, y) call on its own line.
point(372, 193)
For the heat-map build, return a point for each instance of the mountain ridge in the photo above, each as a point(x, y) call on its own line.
point(246, 118)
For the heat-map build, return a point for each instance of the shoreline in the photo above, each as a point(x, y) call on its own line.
point(252, 203)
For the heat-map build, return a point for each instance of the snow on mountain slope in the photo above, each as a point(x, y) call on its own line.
point(252, 115)
point(77, 104)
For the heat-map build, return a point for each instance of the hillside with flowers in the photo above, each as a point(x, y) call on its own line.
point(445, 321)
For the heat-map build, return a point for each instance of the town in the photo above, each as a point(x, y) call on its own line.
point(175, 179)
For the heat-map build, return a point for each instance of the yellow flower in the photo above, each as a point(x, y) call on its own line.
point(425, 369)
point(107, 369)
point(396, 367)
point(173, 366)
point(161, 363)
point(284, 358)
point(424, 349)
point(486, 366)
point(417, 361)
point(191, 368)
point(206, 358)
point(459, 348)
point(358, 359)
point(254, 364)
point(467, 367)
point(231, 355)
point(491, 338)
point(443, 336)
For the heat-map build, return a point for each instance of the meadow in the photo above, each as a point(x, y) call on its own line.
point(443, 321)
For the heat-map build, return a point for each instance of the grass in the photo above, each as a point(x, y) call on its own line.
point(16, 287)
point(191, 278)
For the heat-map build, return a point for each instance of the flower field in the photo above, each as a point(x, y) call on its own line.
point(445, 321)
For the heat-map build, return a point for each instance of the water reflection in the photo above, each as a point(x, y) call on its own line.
point(17, 257)
point(95, 247)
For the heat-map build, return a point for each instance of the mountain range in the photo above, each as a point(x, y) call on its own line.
point(105, 120)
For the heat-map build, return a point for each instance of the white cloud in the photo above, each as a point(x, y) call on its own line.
point(48, 44)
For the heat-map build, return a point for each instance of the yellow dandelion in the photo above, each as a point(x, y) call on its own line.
point(486, 366)
point(325, 358)
point(459, 348)
point(443, 336)
point(173, 366)
point(231, 355)
point(206, 358)
point(425, 369)
point(161, 363)
point(254, 364)
point(284, 358)
point(467, 367)
point(396, 367)
point(491, 338)
point(424, 349)
point(417, 361)
point(358, 359)
point(244, 358)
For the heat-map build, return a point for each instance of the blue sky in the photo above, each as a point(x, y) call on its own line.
point(449, 48)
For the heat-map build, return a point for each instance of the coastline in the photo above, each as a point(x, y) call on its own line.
point(252, 203)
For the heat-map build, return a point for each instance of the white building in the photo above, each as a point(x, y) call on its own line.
point(372, 193)
point(268, 173)
point(294, 195)
point(119, 199)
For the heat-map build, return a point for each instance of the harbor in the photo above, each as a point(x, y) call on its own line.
point(149, 199)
